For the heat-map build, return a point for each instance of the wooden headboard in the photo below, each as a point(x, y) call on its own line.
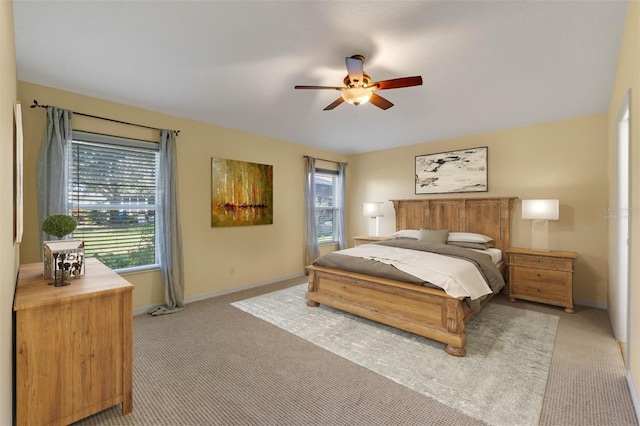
point(488, 216)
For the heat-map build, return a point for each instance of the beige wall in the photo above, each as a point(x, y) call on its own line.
point(553, 160)
point(257, 253)
point(564, 160)
point(8, 248)
point(627, 77)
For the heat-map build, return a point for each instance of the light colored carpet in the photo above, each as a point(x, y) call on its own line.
point(502, 378)
point(214, 364)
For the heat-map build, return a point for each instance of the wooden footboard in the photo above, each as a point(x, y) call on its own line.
point(420, 310)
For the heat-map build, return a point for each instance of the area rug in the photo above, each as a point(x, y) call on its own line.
point(501, 381)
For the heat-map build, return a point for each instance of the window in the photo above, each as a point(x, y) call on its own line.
point(112, 194)
point(326, 206)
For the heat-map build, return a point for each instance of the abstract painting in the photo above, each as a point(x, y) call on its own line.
point(241, 193)
point(464, 170)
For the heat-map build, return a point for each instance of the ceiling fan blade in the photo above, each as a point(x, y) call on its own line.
point(355, 65)
point(334, 104)
point(319, 87)
point(397, 83)
point(380, 102)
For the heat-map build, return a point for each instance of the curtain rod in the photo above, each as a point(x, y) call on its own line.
point(37, 105)
point(323, 159)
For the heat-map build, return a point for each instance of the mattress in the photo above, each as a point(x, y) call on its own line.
point(486, 261)
point(496, 255)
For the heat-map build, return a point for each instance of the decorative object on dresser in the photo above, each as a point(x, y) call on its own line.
point(374, 211)
point(360, 240)
point(73, 346)
point(540, 212)
point(541, 276)
point(59, 225)
point(62, 259)
point(464, 170)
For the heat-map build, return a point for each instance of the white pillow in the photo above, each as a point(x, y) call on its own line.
point(469, 237)
point(407, 233)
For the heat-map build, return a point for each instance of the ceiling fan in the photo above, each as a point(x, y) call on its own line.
point(358, 88)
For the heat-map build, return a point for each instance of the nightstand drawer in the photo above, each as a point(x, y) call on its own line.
point(542, 293)
point(541, 262)
point(540, 277)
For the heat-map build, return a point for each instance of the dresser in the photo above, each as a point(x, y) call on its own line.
point(541, 276)
point(366, 240)
point(73, 345)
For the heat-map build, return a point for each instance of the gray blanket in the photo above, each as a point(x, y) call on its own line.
point(482, 262)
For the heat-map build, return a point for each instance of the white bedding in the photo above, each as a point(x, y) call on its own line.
point(457, 277)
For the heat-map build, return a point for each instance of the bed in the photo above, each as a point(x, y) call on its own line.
point(422, 310)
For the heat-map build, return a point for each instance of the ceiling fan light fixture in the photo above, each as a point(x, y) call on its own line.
point(357, 95)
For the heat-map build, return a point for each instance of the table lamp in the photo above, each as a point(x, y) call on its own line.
point(373, 210)
point(540, 212)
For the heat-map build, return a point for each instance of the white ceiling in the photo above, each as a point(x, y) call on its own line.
point(486, 65)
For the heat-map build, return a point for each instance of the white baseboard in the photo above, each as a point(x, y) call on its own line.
point(191, 299)
point(591, 304)
point(634, 394)
point(196, 298)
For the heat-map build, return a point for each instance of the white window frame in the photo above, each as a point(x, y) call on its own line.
point(333, 175)
point(124, 144)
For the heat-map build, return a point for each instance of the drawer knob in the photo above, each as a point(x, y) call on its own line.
point(538, 290)
point(538, 275)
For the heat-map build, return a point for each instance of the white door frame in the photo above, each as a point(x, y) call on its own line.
point(623, 214)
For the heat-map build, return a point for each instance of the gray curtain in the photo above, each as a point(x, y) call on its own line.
point(51, 173)
point(312, 251)
point(341, 203)
point(170, 237)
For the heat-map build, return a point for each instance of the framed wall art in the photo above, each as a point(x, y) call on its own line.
point(241, 193)
point(18, 167)
point(464, 170)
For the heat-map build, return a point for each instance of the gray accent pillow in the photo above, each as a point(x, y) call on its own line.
point(434, 236)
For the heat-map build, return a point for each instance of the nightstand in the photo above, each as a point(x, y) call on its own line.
point(541, 276)
point(366, 240)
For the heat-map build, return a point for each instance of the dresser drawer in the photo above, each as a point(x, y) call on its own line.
point(541, 262)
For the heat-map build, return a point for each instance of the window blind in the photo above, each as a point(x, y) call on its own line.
point(112, 194)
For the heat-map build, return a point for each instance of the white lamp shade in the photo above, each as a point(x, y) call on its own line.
point(373, 209)
point(540, 209)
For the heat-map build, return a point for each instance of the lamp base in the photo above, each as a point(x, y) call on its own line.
point(373, 227)
point(540, 235)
